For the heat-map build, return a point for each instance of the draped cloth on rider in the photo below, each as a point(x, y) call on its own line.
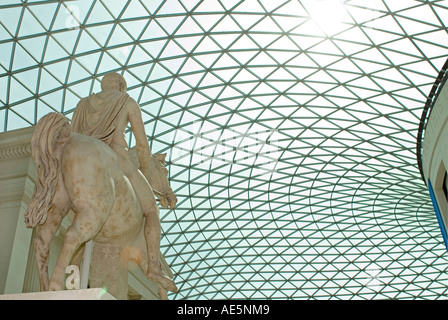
point(98, 114)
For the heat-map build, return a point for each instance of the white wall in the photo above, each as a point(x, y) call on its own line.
point(435, 149)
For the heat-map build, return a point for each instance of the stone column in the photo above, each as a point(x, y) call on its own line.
point(17, 176)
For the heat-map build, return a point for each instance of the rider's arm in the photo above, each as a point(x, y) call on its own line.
point(138, 128)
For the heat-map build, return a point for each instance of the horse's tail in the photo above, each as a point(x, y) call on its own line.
point(49, 137)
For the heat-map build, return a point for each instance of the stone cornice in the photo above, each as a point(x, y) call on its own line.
point(16, 143)
point(15, 152)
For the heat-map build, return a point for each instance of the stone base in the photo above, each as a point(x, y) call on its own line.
point(109, 271)
point(85, 294)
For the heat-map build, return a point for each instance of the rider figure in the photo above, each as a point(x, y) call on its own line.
point(105, 116)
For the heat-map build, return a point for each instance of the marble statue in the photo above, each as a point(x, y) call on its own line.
point(105, 116)
point(86, 167)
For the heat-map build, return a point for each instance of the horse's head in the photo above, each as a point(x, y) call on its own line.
point(158, 179)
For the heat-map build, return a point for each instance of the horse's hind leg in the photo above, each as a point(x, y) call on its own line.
point(45, 232)
point(86, 225)
point(77, 258)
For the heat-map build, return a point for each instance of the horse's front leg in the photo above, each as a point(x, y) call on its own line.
point(163, 295)
point(45, 232)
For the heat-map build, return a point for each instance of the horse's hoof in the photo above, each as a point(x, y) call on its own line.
point(163, 281)
point(55, 287)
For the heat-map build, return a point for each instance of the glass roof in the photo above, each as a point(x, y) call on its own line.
point(290, 127)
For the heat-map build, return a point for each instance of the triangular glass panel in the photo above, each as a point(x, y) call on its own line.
point(207, 60)
point(191, 66)
point(209, 6)
point(264, 40)
point(135, 9)
point(15, 121)
point(162, 86)
point(189, 27)
point(54, 99)
point(88, 62)
point(169, 24)
point(227, 25)
point(207, 45)
point(67, 39)
point(26, 110)
point(99, 14)
point(262, 59)
point(134, 28)
point(119, 37)
point(209, 21)
point(432, 51)
point(301, 89)
point(58, 69)
point(228, 5)
point(45, 13)
point(400, 5)
point(4, 34)
point(47, 82)
point(153, 31)
point(78, 72)
point(265, 25)
point(188, 43)
point(107, 64)
point(12, 23)
point(28, 78)
point(441, 12)
point(22, 59)
point(43, 109)
point(310, 30)
point(34, 46)
point(158, 72)
point(417, 14)
point(121, 55)
point(139, 56)
point(30, 25)
point(82, 89)
point(100, 33)
point(3, 120)
point(246, 21)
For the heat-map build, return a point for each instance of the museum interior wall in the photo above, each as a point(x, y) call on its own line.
point(435, 157)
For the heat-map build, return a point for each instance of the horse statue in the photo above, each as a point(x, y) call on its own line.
point(81, 174)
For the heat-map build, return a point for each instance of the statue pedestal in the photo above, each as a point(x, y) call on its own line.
point(109, 271)
point(86, 294)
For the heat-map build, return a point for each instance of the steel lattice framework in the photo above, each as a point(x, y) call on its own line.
point(290, 127)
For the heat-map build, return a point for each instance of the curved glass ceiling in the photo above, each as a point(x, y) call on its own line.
point(290, 128)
